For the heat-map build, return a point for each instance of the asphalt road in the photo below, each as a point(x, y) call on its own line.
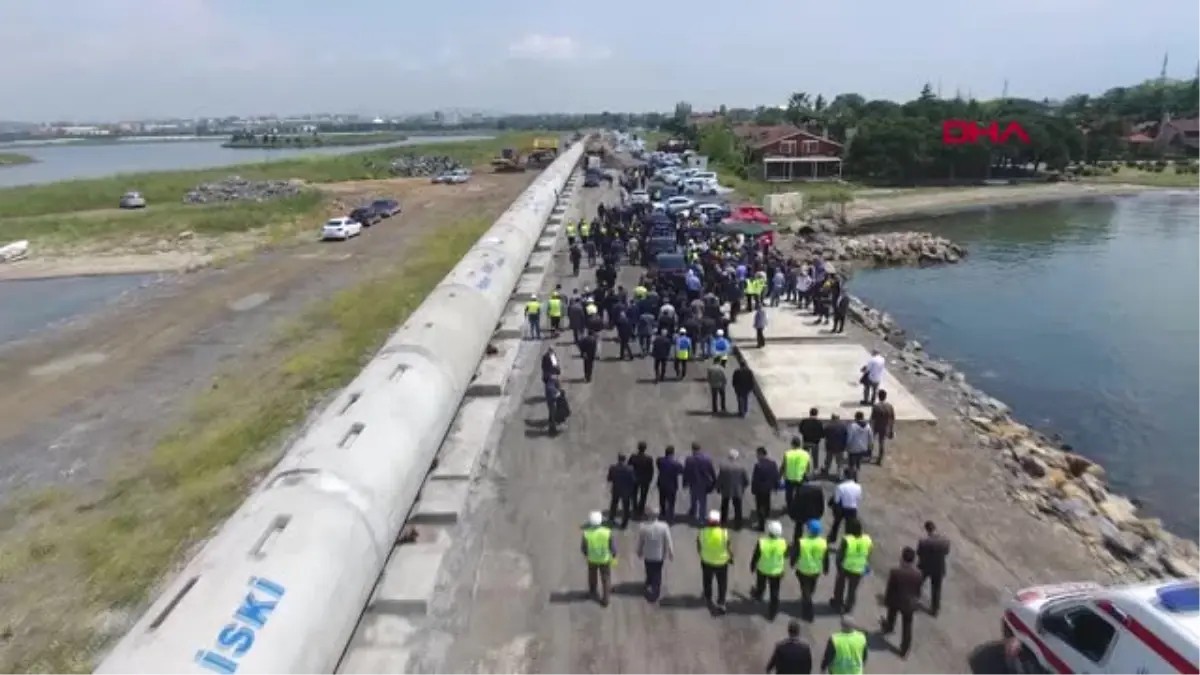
point(518, 598)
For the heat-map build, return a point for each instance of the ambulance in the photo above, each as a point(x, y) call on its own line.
point(1089, 628)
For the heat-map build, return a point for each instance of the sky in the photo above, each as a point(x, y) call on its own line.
point(138, 59)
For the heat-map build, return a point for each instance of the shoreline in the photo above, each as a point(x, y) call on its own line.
point(902, 208)
point(172, 262)
point(1048, 478)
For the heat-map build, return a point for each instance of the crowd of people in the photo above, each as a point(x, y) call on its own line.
point(679, 317)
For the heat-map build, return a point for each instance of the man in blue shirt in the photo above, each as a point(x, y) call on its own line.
point(670, 470)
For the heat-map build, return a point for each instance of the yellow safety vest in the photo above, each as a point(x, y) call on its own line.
point(760, 285)
point(681, 353)
point(590, 309)
point(772, 556)
point(599, 545)
point(714, 546)
point(749, 286)
point(848, 651)
point(585, 229)
point(640, 291)
point(857, 550)
point(811, 561)
point(533, 308)
point(554, 308)
point(795, 464)
point(571, 229)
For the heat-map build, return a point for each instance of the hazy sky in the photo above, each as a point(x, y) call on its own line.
point(110, 59)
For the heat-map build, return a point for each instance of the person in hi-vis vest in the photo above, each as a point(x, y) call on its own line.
point(768, 564)
point(716, 556)
point(853, 564)
point(810, 558)
point(683, 353)
point(554, 310)
point(600, 550)
point(533, 316)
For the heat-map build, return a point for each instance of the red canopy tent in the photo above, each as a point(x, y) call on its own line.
point(749, 213)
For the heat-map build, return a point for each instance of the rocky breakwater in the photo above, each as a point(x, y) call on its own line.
point(1047, 477)
point(885, 249)
point(238, 189)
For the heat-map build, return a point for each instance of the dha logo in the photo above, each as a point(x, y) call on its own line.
point(236, 639)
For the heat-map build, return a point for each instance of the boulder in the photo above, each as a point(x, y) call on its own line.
point(892, 248)
point(238, 189)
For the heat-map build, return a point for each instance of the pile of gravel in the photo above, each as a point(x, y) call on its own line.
point(238, 189)
point(423, 166)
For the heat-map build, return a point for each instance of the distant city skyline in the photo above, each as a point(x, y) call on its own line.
point(145, 59)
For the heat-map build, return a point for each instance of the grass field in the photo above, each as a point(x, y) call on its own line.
point(318, 141)
point(15, 158)
point(69, 563)
point(169, 187)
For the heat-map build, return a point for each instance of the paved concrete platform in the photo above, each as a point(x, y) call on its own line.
point(795, 377)
point(460, 452)
point(529, 285)
point(513, 324)
point(441, 502)
point(381, 642)
point(492, 376)
point(540, 261)
point(410, 578)
point(784, 323)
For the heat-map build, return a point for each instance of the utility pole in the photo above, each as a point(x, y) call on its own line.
point(1004, 94)
point(1162, 75)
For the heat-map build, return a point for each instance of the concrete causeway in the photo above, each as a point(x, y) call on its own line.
point(808, 366)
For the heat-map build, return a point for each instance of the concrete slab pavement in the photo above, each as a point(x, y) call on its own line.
point(794, 377)
point(784, 324)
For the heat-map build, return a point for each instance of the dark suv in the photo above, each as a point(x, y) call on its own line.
point(365, 215)
point(386, 208)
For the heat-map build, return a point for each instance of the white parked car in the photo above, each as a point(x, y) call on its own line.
point(133, 200)
point(677, 204)
point(639, 197)
point(341, 229)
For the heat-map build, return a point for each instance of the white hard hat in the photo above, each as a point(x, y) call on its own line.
point(533, 296)
point(775, 529)
point(683, 331)
point(720, 333)
point(714, 516)
point(595, 518)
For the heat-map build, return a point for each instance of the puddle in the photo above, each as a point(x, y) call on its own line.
point(29, 306)
point(68, 364)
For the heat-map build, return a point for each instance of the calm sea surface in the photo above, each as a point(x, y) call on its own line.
point(1084, 319)
point(87, 160)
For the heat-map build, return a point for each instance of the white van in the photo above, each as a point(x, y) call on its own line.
point(1089, 628)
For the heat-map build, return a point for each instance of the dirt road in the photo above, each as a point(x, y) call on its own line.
point(101, 391)
point(517, 598)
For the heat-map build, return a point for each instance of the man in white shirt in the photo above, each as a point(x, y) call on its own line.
point(872, 377)
point(846, 498)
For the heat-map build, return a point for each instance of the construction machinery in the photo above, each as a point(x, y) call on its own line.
point(509, 161)
point(543, 151)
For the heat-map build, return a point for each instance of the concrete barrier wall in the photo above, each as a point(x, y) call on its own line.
point(282, 585)
point(783, 204)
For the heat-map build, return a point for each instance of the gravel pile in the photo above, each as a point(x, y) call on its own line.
point(423, 166)
point(238, 189)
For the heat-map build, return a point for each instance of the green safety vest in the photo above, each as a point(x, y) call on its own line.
point(533, 308)
point(795, 464)
point(554, 308)
point(760, 285)
point(590, 309)
point(640, 291)
point(772, 556)
point(571, 229)
point(585, 229)
point(599, 545)
point(848, 651)
point(714, 546)
point(857, 550)
point(750, 287)
point(811, 560)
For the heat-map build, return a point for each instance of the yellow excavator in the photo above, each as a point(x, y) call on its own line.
point(509, 161)
point(543, 152)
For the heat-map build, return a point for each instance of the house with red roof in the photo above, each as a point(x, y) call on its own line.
point(787, 153)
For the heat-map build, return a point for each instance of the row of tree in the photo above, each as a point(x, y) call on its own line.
point(903, 142)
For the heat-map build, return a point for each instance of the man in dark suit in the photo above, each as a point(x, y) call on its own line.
point(670, 470)
point(643, 472)
point(622, 485)
point(901, 598)
point(931, 561)
point(763, 482)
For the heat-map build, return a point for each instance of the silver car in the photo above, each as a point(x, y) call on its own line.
point(133, 200)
